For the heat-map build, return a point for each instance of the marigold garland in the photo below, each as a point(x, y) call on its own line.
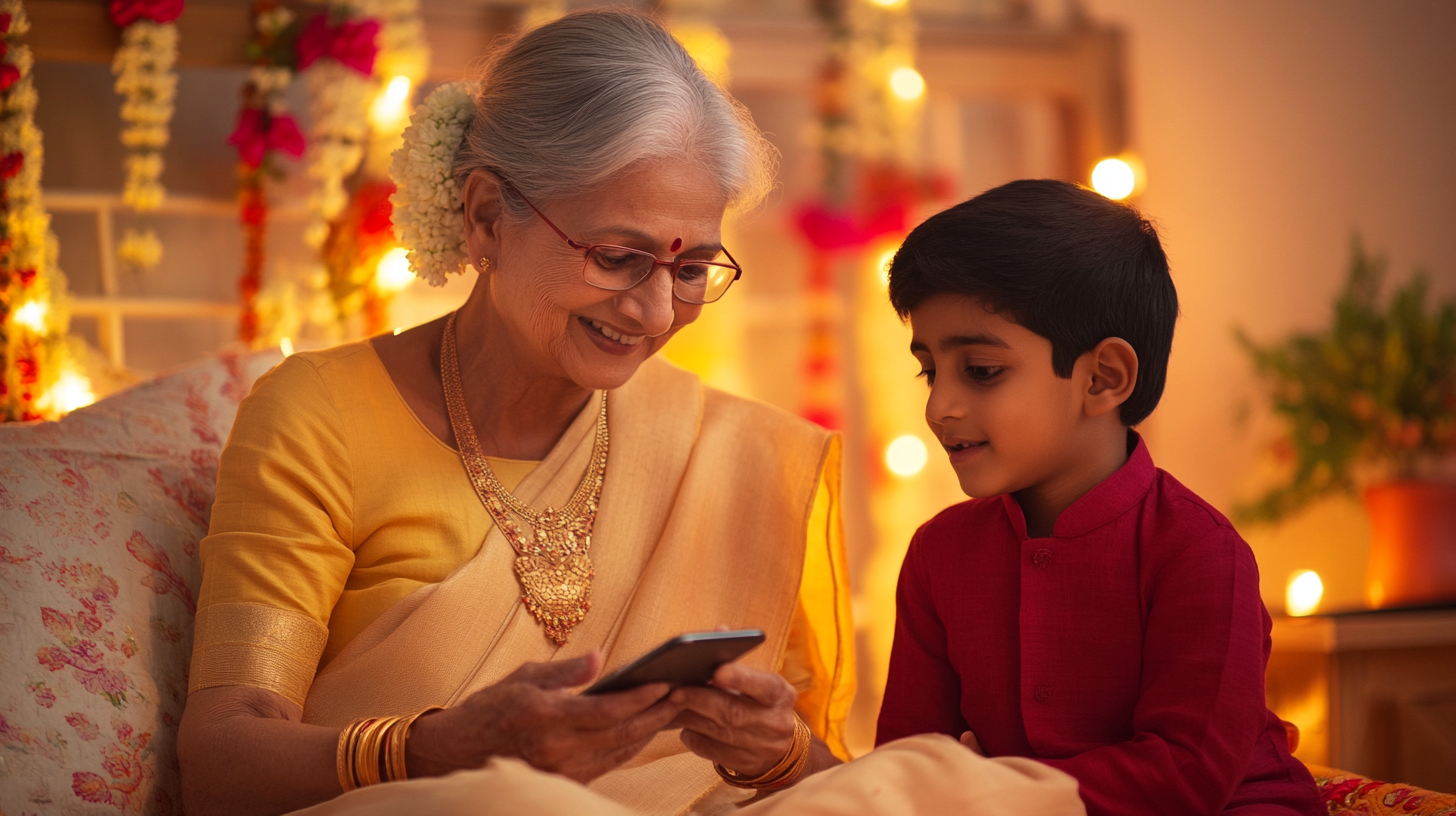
point(32, 290)
point(264, 128)
point(145, 77)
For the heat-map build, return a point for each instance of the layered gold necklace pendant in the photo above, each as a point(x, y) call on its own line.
point(553, 560)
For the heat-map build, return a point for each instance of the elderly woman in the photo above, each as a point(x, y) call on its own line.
point(423, 543)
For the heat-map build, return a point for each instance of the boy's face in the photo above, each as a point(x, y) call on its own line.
point(1004, 417)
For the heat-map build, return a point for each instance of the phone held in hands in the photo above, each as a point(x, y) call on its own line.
point(686, 660)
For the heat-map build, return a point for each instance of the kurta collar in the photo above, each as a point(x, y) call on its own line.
point(1111, 497)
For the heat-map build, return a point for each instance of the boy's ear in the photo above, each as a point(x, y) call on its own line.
point(1113, 368)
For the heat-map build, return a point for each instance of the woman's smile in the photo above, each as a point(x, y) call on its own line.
point(609, 339)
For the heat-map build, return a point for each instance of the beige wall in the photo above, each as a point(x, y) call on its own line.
point(1273, 130)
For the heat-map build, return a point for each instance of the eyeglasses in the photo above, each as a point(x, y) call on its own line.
point(619, 268)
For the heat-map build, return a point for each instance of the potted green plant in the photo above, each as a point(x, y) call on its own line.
point(1369, 405)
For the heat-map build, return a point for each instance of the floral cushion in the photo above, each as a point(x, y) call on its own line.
point(1345, 792)
point(100, 515)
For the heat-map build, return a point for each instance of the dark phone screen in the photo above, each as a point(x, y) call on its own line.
point(686, 660)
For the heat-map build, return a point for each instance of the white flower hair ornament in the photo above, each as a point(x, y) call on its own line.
point(427, 217)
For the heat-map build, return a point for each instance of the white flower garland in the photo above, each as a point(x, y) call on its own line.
point(427, 216)
point(143, 66)
point(338, 105)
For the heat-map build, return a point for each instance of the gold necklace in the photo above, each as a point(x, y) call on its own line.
point(553, 562)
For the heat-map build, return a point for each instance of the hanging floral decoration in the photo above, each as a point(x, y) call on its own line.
point(146, 79)
point(338, 48)
point(867, 103)
point(39, 380)
point(365, 263)
point(264, 129)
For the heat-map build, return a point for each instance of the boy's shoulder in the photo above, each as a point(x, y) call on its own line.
point(1175, 505)
point(972, 519)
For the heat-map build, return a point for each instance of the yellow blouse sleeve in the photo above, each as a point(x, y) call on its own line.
point(819, 660)
point(279, 549)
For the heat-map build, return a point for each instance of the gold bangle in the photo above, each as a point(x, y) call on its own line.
point(346, 780)
point(396, 765)
point(782, 774)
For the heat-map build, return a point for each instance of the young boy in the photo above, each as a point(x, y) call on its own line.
point(1087, 610)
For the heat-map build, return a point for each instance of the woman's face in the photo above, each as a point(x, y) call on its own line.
point(557, 323)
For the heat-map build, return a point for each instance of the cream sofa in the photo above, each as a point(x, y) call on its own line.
point(100, 517)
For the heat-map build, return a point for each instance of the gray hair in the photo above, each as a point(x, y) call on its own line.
point(567, 105)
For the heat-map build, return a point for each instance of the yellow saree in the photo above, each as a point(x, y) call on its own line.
point(706, 502)
point(704, 522)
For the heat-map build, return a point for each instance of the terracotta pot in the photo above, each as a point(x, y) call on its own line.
point(1412, 543)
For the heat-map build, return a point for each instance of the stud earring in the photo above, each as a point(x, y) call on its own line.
point(483, 265)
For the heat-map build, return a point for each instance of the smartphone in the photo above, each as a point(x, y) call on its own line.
point(686, 660)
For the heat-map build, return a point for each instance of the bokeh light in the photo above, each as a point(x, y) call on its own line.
point(393, 274)
point(906, 455)
point(1302, 596)
point(32, 316)
point(387, 114)
point(71, 391)
point(907, 83)
point(1114, 178)
point(882, 266)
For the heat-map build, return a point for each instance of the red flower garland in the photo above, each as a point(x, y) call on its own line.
point(262, 130)
point(126, 12)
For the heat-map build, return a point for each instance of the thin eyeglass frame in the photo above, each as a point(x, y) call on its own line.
point(673, 265)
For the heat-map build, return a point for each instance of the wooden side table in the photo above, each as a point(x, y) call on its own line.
point(1372, 692)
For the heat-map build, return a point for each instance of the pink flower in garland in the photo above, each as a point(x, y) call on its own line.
point(352, 43)
point(126, 12)
point(259, 132)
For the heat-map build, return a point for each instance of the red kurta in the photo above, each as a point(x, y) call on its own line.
point(1128, 649)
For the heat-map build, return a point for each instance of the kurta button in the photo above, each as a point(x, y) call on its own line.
point(1041, 557)
point(1043, 691)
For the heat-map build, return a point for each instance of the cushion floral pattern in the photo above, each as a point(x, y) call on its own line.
point(100, 516)
point(1345, 792)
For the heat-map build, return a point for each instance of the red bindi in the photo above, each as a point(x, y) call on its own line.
point(676, 244)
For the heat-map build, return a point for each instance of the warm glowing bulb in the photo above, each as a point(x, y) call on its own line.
point(882, 266)
point(397, 330)
point(1302, 597)
point(1114, 178)
point(393, 274)
point(388, 110)
point(286, 346)
point(72, 391)
point(32, 316)
point(906, 456)
point(907, 83)
point(889, 4)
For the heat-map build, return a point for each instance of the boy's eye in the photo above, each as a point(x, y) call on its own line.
point(984, 374)
point(928, 374)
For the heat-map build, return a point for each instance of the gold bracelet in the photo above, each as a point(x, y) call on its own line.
point(346, 760)
point(346, 779)
point(782, 774)
point(395, 765)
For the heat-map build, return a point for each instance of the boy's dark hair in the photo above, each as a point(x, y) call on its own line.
point(1059, 259)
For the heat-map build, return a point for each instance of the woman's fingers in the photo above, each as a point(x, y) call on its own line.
point(559, 674)
point(765, 688)
point(600, 711)
point(729, 756)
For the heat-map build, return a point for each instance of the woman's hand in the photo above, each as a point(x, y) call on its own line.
point(744, 721)
point(530, 715)
point(969, 740)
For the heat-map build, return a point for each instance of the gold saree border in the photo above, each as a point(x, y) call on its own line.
point(249, 644)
